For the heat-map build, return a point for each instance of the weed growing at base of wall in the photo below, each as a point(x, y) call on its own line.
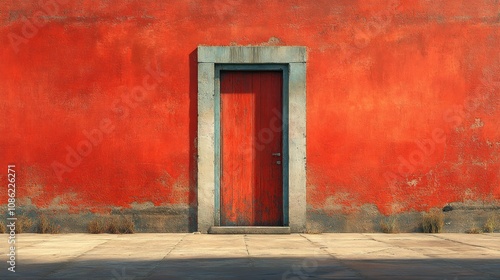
point(46, 226)
point(491, 224)
point(111, 225)
point(23, 224)
point(389, 225)
point(474, 230)
point(433, 221)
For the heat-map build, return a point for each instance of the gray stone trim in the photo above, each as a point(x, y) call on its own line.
point(252, 54)
point(295, 58)
point(206, 155)
point(297, 146)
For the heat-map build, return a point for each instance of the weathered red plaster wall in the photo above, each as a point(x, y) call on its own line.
point(381, 76)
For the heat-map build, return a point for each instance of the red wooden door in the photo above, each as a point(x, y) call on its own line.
point(251, 148)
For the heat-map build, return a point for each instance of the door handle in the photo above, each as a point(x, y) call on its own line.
point(278, 162)
point(276, 154)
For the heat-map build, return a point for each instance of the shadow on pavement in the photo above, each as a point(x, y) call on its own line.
point(295, 268)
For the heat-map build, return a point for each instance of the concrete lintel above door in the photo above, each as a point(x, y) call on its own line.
point(279, 54)
point(295, 59)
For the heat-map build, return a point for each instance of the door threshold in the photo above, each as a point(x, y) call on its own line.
point(249, 230)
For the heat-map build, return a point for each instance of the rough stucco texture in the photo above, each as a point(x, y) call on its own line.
point(402, 99)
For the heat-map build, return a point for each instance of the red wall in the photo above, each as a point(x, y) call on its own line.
point(381, 75)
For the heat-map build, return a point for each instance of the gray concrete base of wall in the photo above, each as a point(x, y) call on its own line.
point(145, 219)
point(460, 217)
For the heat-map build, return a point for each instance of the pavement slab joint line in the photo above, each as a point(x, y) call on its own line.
point(35, 244)
point(72, 260)
point(463, 243)
point(252, 262)
point(166, 255)
point(444, 260)
point(392, 245)
point(323, 248)
point(375, 251)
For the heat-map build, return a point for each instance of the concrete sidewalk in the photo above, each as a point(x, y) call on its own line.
point(296, 256)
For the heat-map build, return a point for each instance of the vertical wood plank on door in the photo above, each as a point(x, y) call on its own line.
point(269, 192)
point(251, 181)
